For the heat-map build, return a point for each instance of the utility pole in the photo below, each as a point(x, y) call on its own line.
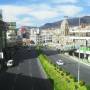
point(79, 56)
point(79, 67)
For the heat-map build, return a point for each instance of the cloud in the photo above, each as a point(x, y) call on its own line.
point(37, 13)
point(43, 11)
point(11, 12)
point(25, 21)
point(64, 1)
point(42, 15)
point(70, 10)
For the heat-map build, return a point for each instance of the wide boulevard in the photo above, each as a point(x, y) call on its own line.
point(27, 73)
point(70, 64)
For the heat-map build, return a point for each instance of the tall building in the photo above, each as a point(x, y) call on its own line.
point(64, 27)
point(11, 33)
point(3, 30)
point(3, 43)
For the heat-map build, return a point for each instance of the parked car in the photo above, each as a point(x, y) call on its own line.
point(8, 56)
point(10, 63)
point(60, 62)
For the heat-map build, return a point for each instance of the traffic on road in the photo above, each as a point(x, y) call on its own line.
point(68, 64)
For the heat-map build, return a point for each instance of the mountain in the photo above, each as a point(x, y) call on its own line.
point(72, 22)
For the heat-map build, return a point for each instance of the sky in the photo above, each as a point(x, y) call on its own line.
point(39, 12)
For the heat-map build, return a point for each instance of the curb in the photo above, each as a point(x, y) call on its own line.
point(43, 73)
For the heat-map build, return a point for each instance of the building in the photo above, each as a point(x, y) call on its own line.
point(66, 37)
point(6, 52)
point(81, 35)
point(64, 29)
point(3, 30)
point(46, 36)
point(30, 36)
point(35, 35)
point(11, 33)
point(59, 36)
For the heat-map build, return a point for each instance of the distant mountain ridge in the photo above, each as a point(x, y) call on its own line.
point(72, 22)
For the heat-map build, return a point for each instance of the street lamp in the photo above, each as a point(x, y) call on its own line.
point(79, 57)
point(79, 67)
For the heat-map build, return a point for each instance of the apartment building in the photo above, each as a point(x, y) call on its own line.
point(11, 33)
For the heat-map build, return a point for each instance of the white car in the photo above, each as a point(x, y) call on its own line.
point(59, 62)
point(10, 63)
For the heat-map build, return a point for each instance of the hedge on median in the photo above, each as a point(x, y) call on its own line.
point(62, 80)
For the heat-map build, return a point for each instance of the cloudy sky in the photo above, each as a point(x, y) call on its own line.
point(39, 12)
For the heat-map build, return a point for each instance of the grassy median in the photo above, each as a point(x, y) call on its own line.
point(62, 80)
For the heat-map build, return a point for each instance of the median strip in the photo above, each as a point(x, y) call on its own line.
point(62, 80)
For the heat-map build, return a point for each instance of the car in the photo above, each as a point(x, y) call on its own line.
point(10, 63)
point(60, 62)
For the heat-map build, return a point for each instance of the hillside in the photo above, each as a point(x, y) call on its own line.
point(72, 22)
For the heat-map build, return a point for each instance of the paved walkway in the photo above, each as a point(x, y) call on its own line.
point(83, 61)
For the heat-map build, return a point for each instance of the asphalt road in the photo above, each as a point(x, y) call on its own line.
point(70, 65)
point(26, 74)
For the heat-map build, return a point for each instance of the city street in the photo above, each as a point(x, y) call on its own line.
point(26, 74)
point(70, 64)
point(45, 45)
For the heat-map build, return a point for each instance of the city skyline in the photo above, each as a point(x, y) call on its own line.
point(38, 12)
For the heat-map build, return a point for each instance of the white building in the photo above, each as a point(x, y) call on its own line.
point(34, 35)
point(11, 33)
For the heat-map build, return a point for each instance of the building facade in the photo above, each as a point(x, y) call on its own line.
point(11, 33)
point(3, 30)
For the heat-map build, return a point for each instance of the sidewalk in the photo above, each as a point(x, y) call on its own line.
point(83, 61)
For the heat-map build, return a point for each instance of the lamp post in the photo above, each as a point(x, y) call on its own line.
point(79, 56)
point(79, 67)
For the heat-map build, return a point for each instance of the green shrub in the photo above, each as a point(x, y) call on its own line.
point(76, 87)
point(62, 80)
point(82, 83)
point(75, 79)
point(62, 74)
point(71, 76)
point(60, 69)
point(68, 80)
point(67, 73)
point(88, 87)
